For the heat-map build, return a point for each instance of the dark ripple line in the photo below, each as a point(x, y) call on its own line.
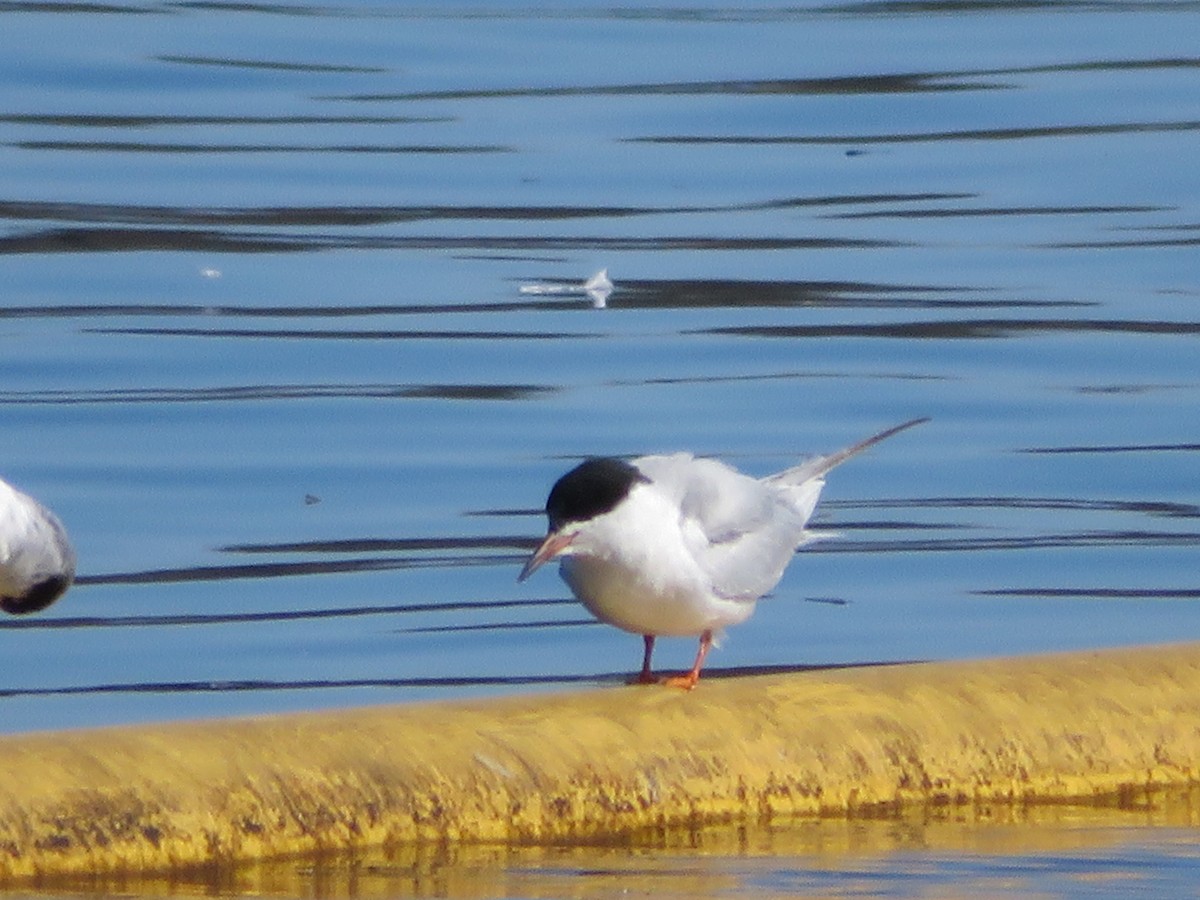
point(500, 626)
point(885, 83)
point(745, 293)
point(113, 120)
point(277, 392)
point(1168, 509)
point(408, 545)
point(243, 685)
point(231, 686)
point(283, 570)
point(175, 619)
point(901, 83)
point(970, 134)
point(780, 376)
point(111, 240)
point(185, 149)
point(78, 6)
point(272, 65)
point(82, 310)
point(1070, 540)
point(349, 334)
point(1116, 448)
point(888, 8)
point(107, 240)
point(1096, 593)
point(680, 13)
point(523, 544)
point(439, 392)
point(634, 294)
point(1122, 538)
point(1143, 243)
point(957, 329)
point(998, 212)
point(31, 210)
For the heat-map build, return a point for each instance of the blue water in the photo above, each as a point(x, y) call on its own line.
point(266, 352)
point(263, 344)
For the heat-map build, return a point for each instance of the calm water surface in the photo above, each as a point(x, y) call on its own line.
point(1055, 852)
point(265, 349)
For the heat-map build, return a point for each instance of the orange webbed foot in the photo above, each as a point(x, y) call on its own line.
point(686, 682)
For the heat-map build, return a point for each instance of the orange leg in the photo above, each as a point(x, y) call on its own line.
point(688, 681)
point(646, 677)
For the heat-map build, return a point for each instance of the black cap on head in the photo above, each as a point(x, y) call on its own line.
point(592, 488)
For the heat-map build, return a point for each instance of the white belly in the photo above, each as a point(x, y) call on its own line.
point(615, 595)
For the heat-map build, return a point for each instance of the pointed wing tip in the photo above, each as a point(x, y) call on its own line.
point(896, 429)
point(819, 466)
point(875, 439)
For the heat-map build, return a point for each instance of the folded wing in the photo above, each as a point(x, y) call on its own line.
point(741, 531)
point(744, 531)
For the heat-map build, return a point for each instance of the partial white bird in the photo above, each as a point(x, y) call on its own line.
point(679, 545)
point(37, 562)
point(598, 288)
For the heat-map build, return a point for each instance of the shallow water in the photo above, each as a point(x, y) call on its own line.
point(264, 348)
point(1060, 851)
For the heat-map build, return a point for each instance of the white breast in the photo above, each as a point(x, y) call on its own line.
point(635, 568)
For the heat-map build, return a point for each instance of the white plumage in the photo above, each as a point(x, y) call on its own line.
point(37, 563)
point(679, 545)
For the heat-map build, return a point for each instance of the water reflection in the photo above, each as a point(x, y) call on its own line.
point(1146, 845)
point(597, 289)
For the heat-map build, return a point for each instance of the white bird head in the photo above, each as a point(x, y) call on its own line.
point(593, 488)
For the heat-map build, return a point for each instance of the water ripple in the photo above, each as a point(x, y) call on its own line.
point(353, 555)
point(1091, 129)
point(236, 393)
point(291, 615)
point(957, 329)
point(314, 684)
point(115, 240)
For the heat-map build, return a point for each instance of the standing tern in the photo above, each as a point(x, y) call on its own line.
point(37, 563)
point(679, 545)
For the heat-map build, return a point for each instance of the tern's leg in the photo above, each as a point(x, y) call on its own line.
point(645, 677)
point(688, 681)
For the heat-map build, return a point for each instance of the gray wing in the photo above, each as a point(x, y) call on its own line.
point(743, 532)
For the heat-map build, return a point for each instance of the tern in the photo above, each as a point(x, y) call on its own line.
point(680, 545)
point(37, 562)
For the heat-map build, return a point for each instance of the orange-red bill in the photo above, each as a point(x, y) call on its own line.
point(554, 544)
